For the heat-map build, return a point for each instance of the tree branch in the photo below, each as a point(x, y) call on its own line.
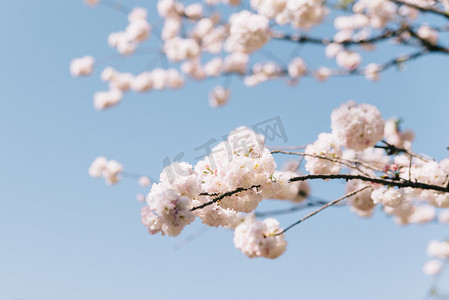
point(428, 45)
point(396, 183)
point(388, 182)
point(392, 149)
point(423, 9)
point(433, 290)
point(291, 209)
point(359, 71)
point(337, 160)
point(386, 34)
point(227, 194)
point(322, 208)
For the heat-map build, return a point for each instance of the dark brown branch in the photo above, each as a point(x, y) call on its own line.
point(359, 71)
point(386, 34)
point(396, 183)
point(401, 59)
point(387, 182)
point(346, 162)
point(428, 45)
point(392, 149)
point(227, 194)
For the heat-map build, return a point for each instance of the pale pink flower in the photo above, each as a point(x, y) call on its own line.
point(219, 96)
point(258, 238)
point(82, 66)
point(356, 126)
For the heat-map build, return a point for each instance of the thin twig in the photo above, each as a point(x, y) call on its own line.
point(289, 210)
point(433, 288)
point(386, 34)
point(392, 149)
point(191, 237)
point(116, 6)
point(342, 161)
point(322, 208)
point(358, 71)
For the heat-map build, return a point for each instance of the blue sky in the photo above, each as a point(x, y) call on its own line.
point(67, 236)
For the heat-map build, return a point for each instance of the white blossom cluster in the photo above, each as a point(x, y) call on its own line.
point(242, 161)
point(157, 79)
point(357, 126)
point(203, 39)
point(258, 238)
point(400, 139)
point(427, 33)
point(440, 253)
point(108, 169)
point(301, 14)
point(368, 17)
point(219, 96)
point(280, 188)
point(225, 188)
point(297, 68)
point(326, 146)
point(406, 205)
point(82, 66)
point(355, 130)
point(167, 212)
point(135, 33)
point(178, 49)
point(262, 72)
point(206, 42)
point(248, 32)
point(388, 196)
point(361, 203)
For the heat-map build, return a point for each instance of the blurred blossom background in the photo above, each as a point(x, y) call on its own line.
point(65, 235)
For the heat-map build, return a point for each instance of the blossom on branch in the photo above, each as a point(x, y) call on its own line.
point(357, 126)
point(258, 238)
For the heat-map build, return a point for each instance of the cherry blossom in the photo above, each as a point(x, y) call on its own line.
point(82, 66)
point(218, 39)
point(256, 238)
